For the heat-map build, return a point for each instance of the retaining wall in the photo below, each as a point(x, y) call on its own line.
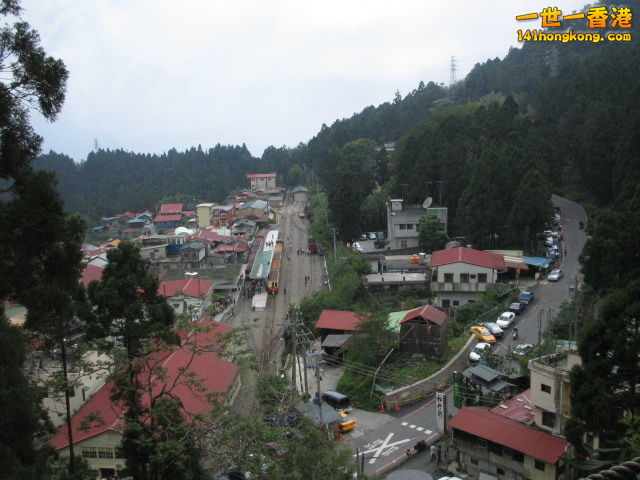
point(422, 388)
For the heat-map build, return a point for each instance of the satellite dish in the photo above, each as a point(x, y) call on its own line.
point(427, 203)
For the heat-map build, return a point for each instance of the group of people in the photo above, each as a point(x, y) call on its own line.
point(303, 251)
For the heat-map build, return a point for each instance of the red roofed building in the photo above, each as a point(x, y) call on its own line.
point(337, 322)
point(460, 275)
point(209, 237)
point(97, 441)
point(518, 408)
point(262, 181)
point(424, 331)
point(170, 208)
point(188, 295)
point(91, 273)
point(487, 445)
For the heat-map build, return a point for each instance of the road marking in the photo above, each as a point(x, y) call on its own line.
point(420, 429)
point(382, 447)
point(412, 426)
point(428, 432)
point(399, 458)
point(404, 424)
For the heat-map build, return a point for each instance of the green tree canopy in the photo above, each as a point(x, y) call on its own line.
point(430, 234)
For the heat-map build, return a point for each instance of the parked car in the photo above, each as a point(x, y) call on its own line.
point(476, 354)
point(548, 242)
point(517, 307)
point(482, 334)
point(506, 319)
point(555, 275)
point(364, 236)
point(357, 248)
point(372, 236)
point(494, 328)
point(346, 423)
point(522, 348)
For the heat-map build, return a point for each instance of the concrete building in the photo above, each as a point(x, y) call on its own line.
point(459, 275)
point(262, 181)
point(490, 446)
point(403, 220)
point(550, 389)
point(204, 212)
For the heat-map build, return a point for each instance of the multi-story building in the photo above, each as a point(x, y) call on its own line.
point(550, 389)
point(262, 181)
point(204, 213)
point(459, 275)
point(403, 221)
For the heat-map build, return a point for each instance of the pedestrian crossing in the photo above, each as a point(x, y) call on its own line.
point(417, 428)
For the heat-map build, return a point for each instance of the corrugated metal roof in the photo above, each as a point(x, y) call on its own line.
point(468, 255)
point(338, 320)
point(428, 313)
point(509, 433)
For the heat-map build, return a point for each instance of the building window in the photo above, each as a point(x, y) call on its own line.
point(499, 471)
point(403, 226)
point(448, 277)
point(539, 465)
point(545, 388)
point(464, 278)
point(482, 278)
point(409, 226)
point(548, 419)
point(89, 452)
point(105, 453)
point(403, 244)
point(446, 303)
point(455, 303)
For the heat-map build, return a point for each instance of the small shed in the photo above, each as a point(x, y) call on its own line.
point(333, 343)
point(300, 194)
point(424, 331)
point(316, 408)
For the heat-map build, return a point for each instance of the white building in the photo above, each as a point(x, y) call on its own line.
point(403, 221)
point(459, 275)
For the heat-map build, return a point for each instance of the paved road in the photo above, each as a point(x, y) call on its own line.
point(550, 295)
point(385, 447)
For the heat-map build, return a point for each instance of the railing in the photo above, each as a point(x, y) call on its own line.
point(458, 287)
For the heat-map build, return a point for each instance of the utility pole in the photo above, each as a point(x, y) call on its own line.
point(334, 230)
point(373, 384)
point(318, 380)
point(540, 313)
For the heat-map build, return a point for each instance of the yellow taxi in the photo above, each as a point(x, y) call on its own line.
point(482, 334)
point(346, 422)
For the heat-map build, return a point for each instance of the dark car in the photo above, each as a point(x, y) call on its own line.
point(379, 243)
point(517, 307)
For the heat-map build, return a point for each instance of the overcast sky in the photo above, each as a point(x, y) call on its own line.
point(149, 75)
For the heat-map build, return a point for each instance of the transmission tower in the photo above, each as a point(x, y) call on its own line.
point(96, 145)
point(452, 77)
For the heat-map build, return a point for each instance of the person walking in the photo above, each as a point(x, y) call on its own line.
point(433, 453)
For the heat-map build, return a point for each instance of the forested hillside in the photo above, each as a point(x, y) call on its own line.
point(115, 181)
